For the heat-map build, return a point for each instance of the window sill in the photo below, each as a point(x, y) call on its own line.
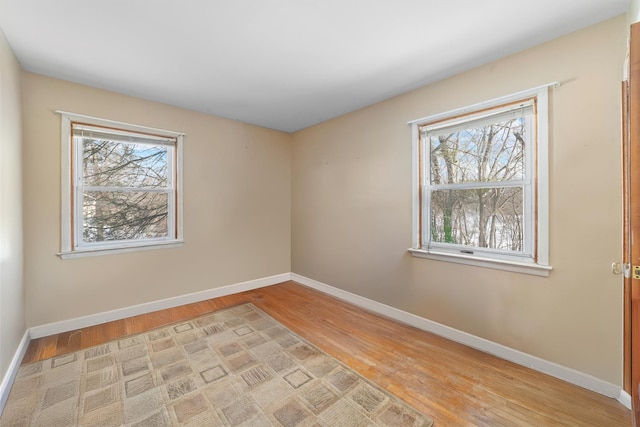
point(82, 253)
point(497, 264)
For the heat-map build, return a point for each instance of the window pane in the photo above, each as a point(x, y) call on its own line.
point(483, 217)
point(120, 164)
point(109, 215)
point(485, 154)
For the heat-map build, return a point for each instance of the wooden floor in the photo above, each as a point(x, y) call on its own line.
point(453, 384)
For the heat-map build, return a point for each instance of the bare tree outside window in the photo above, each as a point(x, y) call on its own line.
point(126, 188)
point(112, 210)
point(482, 216)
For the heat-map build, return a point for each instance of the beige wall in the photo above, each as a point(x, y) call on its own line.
point(12, 324)
point(634, 12)
point(351, 208)
point(236, 207)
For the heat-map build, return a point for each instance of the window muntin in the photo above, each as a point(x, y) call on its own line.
point(121, 187)
point(484, 201)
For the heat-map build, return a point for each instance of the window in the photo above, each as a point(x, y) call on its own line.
point(480, 183)
point(121, 187)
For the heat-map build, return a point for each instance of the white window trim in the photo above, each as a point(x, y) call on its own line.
point(539, 268)
point(67, 249)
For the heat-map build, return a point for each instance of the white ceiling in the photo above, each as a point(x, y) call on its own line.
point(282, 64)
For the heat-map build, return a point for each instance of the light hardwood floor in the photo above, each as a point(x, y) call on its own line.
point(453, 384)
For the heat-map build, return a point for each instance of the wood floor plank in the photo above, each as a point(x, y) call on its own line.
point(68, 342)
point(46, 347)
point(30, 354)
point(454, 384)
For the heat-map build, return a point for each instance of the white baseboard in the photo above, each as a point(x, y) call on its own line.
point(134, 310)
point(567, 374)
point(12, 370)
point(625, 399)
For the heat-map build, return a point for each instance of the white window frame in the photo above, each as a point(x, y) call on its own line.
point(535, 260)
point(72, 188)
